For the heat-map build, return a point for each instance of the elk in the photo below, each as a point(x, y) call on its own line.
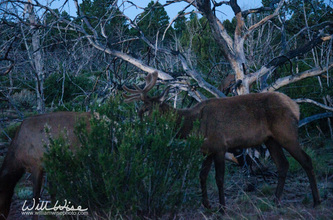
point(236, 122)
point(26, 151)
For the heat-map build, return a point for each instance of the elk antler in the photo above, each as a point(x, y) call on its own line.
point(138, 93)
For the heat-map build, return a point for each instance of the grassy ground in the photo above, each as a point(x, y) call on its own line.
point(296, 199)
point(257, 204)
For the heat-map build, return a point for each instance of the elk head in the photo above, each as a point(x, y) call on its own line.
point(138, 94)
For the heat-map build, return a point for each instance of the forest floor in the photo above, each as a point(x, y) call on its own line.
point(296, 200)
point(258, 204)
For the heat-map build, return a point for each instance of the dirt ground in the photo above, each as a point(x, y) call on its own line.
point(241, 203)
point(257, 204)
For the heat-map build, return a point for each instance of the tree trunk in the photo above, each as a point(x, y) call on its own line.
point(37, 60)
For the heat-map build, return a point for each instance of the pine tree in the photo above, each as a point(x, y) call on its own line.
point(154, 20)
point(180, 24)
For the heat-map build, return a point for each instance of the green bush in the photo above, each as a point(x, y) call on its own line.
point(71, 87)
point(127, 166)
point(24, 99)
point(10, 131)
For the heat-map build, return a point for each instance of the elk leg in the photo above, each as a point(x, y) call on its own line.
point(305, 160)
point(219, 177)
point(206, 165)
point(10, 173)
point(37, 176)
point(282, 165)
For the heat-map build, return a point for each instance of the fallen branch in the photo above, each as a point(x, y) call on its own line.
point(278, 61)
point(294, 78)
point(305, 100)
point(314, 117)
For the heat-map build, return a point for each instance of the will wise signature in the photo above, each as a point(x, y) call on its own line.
point(46, 206)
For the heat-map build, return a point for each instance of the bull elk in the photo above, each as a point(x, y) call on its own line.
point(237, 122)
point(26, 151)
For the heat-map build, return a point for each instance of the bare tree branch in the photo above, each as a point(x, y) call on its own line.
point(191, 72)
point(264, 20)
point(5, 58)
point(201, 82)
point(305, 100)
point(173, 20)
point(256, 10)
point(321, 26)
point(312, 118)
point(219, 32)
point(277, 61)
point(294, 78)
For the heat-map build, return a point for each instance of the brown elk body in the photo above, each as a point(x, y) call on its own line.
point(26, 151)
point(239, 122)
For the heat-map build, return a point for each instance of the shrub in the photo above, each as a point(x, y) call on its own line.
point(73, 87)
point(127, 166)
point(10, 132)
point(24, 99)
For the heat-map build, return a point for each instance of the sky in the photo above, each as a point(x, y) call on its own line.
point(223, 12)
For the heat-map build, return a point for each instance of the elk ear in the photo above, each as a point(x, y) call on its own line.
point(164, 95)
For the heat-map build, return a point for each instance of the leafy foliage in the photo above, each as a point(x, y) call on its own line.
point(126, 166)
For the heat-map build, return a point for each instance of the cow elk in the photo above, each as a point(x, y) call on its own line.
point(236, 122)
point(26, 151)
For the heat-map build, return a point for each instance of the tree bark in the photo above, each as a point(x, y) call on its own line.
point(37, 59)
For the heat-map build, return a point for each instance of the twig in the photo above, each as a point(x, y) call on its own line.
point(179, 13)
